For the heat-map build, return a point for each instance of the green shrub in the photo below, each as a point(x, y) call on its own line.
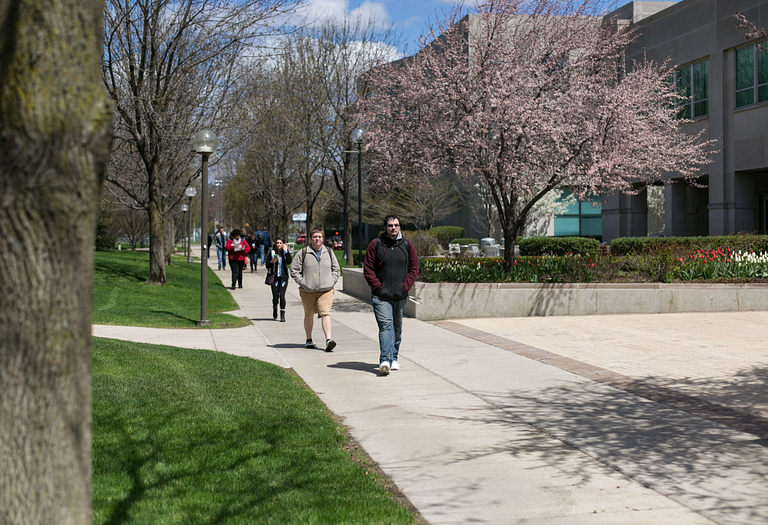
point(444, 234)
point(652, 245)
point(104, 241)
point(424, 242)
point(558, 246)
point(464, 240)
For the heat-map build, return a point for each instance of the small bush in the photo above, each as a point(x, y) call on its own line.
point(444, 234)
point(559, 246)
point(104, 241)
point(464, 240)
point(424, 242)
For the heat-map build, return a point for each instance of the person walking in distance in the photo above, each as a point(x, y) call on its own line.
point(316, 270)
point(220, 239)
point(390, 268)
point(278, 261)
point(238, 252)
point(266, 243)
point(253, 254)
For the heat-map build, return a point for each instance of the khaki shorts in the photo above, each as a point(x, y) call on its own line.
point(317, 302)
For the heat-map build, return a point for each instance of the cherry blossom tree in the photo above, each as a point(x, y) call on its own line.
point(530, 95)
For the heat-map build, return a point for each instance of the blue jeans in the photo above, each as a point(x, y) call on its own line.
point(261, 253)
point(222, 255)
point(389, 317)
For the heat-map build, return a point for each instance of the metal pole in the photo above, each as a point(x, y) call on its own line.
point(359, 205)
point(189, 233)
point(203, 241)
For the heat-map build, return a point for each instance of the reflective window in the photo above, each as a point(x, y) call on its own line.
point(752, 74)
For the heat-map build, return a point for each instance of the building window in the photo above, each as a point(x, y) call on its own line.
point(581, 219)
point(752, 74)
point(692, 82)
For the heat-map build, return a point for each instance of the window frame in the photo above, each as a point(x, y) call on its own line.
point(584, 213)
point(693, 108)
point(758, 91)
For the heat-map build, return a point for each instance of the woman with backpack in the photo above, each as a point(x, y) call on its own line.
point(278, 261)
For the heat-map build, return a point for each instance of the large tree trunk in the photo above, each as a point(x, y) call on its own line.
point(55, 127)
point(156, 245)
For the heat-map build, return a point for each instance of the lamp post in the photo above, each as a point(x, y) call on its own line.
point(190, 192)
point(205, 143)
point(357, 138)
point(185, 239)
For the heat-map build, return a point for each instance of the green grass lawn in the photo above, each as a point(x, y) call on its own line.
point(195, 437)
point(122, 297)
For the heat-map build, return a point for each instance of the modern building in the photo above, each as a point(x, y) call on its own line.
point(726, 77)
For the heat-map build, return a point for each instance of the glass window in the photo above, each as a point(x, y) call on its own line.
point(692, 82)
point(701, 88)
point(566, 226)
point(580, 219)
point(752, 74)
point(684, 90)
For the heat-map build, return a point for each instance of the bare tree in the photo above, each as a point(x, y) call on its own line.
point(418, 202)
point(174, 68)
point(266, 185)
point(348, 49)
point(55, 126)
point(299, 75)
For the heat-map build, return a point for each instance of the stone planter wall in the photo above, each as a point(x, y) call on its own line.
point(456, 300)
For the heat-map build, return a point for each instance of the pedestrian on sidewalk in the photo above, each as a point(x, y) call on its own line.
point(260, 247)
point(238, 251)
point(278, 261)
point(316, 270)
point(390, 268)
point(220, 239)
point(253, 253)
point(266, 243)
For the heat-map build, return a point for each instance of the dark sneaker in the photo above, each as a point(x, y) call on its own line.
point(309, 344)
point(330, 344)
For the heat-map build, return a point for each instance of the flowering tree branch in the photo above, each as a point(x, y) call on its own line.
point(532, 96)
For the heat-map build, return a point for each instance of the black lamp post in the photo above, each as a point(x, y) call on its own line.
point(190, 192)
point(205, 143)
point(185, 240)
point(357, 138)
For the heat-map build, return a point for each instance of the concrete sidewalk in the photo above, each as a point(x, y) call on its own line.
point(551, 420)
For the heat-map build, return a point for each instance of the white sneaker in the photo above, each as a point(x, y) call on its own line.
point(384, 368)
point(395, 365)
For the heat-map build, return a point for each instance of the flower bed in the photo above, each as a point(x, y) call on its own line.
point(719, 265)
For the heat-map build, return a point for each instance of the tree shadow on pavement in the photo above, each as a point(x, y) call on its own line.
point(714, 470)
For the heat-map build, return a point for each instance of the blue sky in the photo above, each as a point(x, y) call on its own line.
point(410, 16)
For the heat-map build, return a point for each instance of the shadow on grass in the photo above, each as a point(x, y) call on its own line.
point(189, 436)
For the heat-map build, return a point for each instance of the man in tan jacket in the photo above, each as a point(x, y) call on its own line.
point(316, 270)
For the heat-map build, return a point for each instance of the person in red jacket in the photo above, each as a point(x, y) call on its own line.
point(390, 268)
point(237, 248)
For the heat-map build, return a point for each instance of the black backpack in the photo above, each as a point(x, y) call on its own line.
point(259, 238)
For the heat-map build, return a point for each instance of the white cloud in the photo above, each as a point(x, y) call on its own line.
point(316, 11)
point(372, 11)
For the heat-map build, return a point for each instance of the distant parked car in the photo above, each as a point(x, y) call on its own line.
point(302, 238)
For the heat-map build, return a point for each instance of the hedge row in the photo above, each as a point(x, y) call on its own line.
point(653, 245)
point(558, 246)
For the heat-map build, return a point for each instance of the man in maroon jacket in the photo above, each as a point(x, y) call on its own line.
point(391, 267)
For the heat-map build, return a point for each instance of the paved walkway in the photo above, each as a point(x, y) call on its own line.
point(635, 419)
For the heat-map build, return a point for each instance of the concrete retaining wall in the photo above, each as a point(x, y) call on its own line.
point(456, 300)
